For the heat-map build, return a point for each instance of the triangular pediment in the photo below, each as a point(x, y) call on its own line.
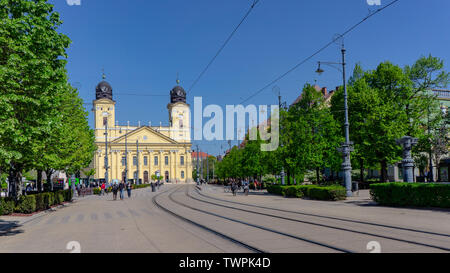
point(145, 135)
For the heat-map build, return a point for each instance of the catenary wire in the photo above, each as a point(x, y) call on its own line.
point(320, 50)
point(224, 44)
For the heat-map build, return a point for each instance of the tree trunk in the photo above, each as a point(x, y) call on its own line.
point(361, 168)
point(383, 171)
point(318, 175)
point(438, 170)
point(15, 181)
point(39, 180)
point(49, 173)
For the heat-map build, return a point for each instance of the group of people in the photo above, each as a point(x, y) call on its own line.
point(236, 184)
point(117, 188)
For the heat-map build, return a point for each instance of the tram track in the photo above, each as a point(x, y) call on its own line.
point(197, 224)
point(309, 222)
point(284, 234)
point(325, 217)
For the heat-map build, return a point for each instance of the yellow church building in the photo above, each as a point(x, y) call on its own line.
point(138, 152)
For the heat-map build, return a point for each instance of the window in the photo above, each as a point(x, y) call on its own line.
point(135, 160)
point(182, 160)
point(156, 161)
point(105, 121)
point(182, 174)
point(181, 123)
point(124, 161)
point(145, 161)
point(166, 160)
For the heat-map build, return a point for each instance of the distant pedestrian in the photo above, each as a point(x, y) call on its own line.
point(103, 187)
point(121, 189)
point(129, 189)
point(246, 185)
point(115, 188)
point(233, 188)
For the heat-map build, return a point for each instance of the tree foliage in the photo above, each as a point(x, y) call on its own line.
point(42, 121)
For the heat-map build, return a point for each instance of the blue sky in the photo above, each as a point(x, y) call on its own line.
point(143, 44)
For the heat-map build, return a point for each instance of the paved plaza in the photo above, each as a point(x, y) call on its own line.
point(205, 219)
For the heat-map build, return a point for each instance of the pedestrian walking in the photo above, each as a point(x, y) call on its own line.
point(129, 189)
point(121, 188)
point(233, 188)
point(246, 186)
point(115, 188)
point(103, 188)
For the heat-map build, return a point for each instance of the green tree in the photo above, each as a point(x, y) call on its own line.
point(311, 135)
point(384, 105)
point(32, 75)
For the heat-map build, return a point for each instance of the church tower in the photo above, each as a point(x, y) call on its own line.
point(104, 108)
point(179, 115)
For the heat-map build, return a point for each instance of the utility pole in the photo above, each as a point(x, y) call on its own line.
point(281, 142)
point(201, 168)
point(207, 169)
point(198, 175)
point(137, 155)
point(430, 175)
point(346, 147)
point(106, 154)
point(126, 157)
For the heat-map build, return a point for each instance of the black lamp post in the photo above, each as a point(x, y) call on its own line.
point(346, 148)
point(126, 154)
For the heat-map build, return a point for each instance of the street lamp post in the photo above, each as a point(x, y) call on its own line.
point(126, 155)
point(198, 175)
point(346, 147)
point(137, 159)
point(106, 153)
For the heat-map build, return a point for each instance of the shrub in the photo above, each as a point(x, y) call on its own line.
point(274, 189)
point(40, 202)
point(97, 191)
point(411, 194)
point(59, 197)
point(48, 199)
point(331, 193)
point(7, 206)
point(293, 191)
point(26, 204)
point(68, 195)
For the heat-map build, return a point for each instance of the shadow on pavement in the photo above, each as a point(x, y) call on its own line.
point(9, 228)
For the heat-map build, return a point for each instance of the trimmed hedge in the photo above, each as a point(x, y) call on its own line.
point(328, 193)
point(7, 206)
point(28, 204)
point(411, 194)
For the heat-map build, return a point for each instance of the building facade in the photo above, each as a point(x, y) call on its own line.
point(139, 152)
